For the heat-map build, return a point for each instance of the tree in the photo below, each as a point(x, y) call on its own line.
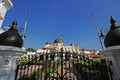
point(30, 50)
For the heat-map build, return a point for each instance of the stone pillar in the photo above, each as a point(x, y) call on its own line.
point(113, 54)
point(8, 61)
point(5, 5)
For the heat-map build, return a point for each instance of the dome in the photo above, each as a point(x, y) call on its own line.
point(11, 37)
point(59, 40)
point(113, 36)
point(47, 43)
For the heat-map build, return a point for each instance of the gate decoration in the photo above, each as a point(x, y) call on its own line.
point(62, 66)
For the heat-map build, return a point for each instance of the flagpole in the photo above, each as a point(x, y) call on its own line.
point(97, 31)
point(23, 34)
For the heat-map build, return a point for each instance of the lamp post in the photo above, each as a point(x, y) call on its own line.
point(103, 33)
point(96, 26)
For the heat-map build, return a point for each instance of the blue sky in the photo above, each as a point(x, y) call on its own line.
point(71, 19)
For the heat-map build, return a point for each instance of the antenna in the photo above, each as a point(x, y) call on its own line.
point(24, 29)
point(97, 30)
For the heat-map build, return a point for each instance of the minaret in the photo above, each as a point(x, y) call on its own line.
point(5, 5)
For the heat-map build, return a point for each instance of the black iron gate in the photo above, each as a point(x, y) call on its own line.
point(62, 66)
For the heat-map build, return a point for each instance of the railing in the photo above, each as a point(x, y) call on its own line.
point(62, 66)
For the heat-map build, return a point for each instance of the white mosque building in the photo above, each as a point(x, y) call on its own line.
point(72, 48)
point(57, 45)
point(5, 5)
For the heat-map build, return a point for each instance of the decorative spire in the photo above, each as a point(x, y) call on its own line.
point(14, 25)
point(47, 43)
point(72, 44)
point(113, 23)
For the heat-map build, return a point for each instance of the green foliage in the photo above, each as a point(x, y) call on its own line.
point(30, 50)
point(51, 67)
point(23, 60)
point(31, 62)
point(89, 67)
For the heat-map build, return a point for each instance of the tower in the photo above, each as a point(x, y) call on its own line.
point(5, 5)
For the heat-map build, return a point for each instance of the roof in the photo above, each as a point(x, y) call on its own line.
point(49, 47)
point(59, 40)
point(96, 55)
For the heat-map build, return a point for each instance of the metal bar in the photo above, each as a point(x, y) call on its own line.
point(16, 72)
point(61, 65)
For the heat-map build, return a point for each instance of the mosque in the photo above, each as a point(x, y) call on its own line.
point(72, 48)
point(57, 45)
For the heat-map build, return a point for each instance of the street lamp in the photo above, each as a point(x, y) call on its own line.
point(103, 33)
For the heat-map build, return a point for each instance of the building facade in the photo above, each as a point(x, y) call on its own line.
point(5, 5)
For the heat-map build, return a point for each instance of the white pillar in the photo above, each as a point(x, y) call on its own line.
point(5, 5)
point(8, 61)
point(113, 54)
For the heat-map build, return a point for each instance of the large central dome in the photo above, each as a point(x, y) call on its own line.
point(59, 40)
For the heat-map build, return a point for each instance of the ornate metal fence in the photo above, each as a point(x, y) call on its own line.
point(62, 66)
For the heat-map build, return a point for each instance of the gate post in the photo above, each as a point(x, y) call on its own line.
point(8, 61)
point(112, 55)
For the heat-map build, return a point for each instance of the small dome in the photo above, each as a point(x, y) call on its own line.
point(72, 44)
point(47, 43)
point(59, 40)
point(11, 37)
point(113, 36)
